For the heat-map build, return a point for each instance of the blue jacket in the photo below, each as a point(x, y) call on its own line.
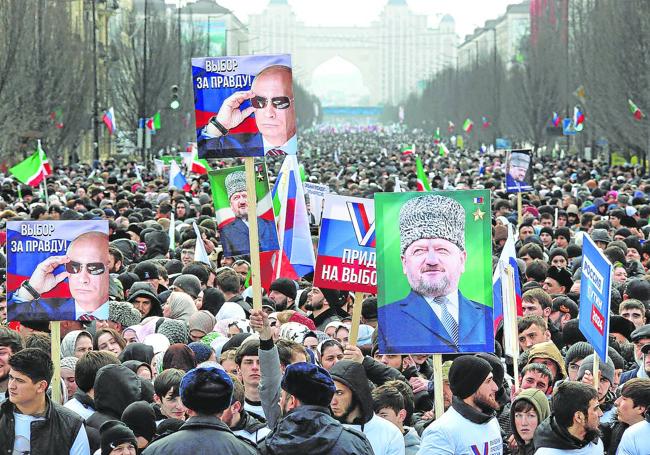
point(627, 375)
point(231, 145)
point(410, 326)
point(513, 186)
point(53, 309)
point(234, 237)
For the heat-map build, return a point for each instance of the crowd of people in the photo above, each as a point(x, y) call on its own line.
point(185, 364)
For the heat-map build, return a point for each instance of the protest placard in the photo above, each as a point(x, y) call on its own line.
point(346, 249)
point(434, 283)
point(595, 296)
point(519, 171)
point(231, 203)
point(244, 106)
point(57, 270)
point(316, 193)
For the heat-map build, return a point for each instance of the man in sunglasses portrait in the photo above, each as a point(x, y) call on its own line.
point(271, 100)
point(85, 265)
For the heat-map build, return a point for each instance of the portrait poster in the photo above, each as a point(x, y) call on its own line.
point(434, 272)
point(519, 171)
point(346, 248)
point(57, 270)
point(316, 193)
point(595, 297)
point(231, 207)
point(244, 106)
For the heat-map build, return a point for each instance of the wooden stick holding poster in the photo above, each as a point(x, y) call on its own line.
point(596, 372)
point(519, 209)
point(438, 399)
point(55, 329)
point(356, 318)
point(253, 233)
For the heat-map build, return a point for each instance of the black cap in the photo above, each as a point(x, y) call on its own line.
point(284, 286)
point(640, 333)
point(466, 375)
point(113, 433)
point(147, 270)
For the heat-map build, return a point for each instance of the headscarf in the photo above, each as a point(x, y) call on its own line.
point(179, 356)
point(181, 305)
point(137, 351)
point(69, 342)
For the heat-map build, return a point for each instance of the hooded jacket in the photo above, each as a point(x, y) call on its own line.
point(144, 289)
point(548, 350)
point(116, 387)
point(311, 429)
point(551, 439)
point(540, 404)
point(250, 428)
point(384, 437)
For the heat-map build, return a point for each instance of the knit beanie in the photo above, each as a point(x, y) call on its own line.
point(113, 433)
point(206, 390)
point(571, 334)
point(189, 284)
point(175, 330)
point(284, 286)
point(141, 419)
point(606, 369)
point(124, 313)
point(203, 321)
point(466, 375)
point(332, 296)
point(578, 351)
point(497, 368)
point(69, 363)
point(311, 384)
point(201, 351)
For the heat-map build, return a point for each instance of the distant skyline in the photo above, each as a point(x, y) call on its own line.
point(468, 14)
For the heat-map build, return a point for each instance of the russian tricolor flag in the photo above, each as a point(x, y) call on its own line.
point(292, 219)
point(176, 178)
point(109, 120)
point(507, 258)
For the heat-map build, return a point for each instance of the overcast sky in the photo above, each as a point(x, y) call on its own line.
point(468, 14)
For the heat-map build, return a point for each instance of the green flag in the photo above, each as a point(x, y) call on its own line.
point(29, 171)
point(423, 182)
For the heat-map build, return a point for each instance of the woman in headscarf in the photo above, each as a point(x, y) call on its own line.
point(76, 344)
point(137, 351)
point(179, 306)
point(179, 356)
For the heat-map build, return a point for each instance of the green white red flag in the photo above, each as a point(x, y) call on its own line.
point(422, 182)
point(634, 109)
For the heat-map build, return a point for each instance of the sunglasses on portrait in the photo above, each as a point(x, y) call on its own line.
point(278, 102)
point(93, 268)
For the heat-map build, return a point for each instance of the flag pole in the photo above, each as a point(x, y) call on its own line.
point(47, 199)
point(519, 209)
point(356, 318)
point(253, 232)
point(438, 399)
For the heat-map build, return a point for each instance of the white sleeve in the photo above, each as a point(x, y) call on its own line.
point(396, 445)
point(81, 445)
point(627, 446)
point(435, 442)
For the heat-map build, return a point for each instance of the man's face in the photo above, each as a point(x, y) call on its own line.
point(638, 344)
point(341, 403)
point(390, 415)
point(3, 309)
point(551, 286)
point(635, 315)
point(532, 308)
point(627, 412)
point(574, 368)
point(593, 416)
point(5, 355)
point(546, 238)
point(433, 266)
point(315, 299)
point(518, 173)
point(187, 256)
point(242, 269)
point(113, 265)
point(239, 204)
point(143, 305)
point(561, 241)
point(535, 380)
point(526, 231)
point(546, 222)
point(181, 210)
point(392, 360)
point(548, 362)
point(90, 291)
point(279, 299)
point(276, 125)
point(559, 261)
point(250, 371)
point(531, 336)
point(485, 396)
point(21, 388)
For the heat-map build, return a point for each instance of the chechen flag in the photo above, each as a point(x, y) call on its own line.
point(468, 125)
point(109, 120)
point(30, 171)
point(292, 221)
point(176, 178)
point(45, 162)
point(408, 149)
point(423, 181)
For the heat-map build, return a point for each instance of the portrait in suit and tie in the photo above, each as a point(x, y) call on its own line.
point(435, 316)
point(85, 268)
point(519, 176)
point(234, 234)
point(270, 100)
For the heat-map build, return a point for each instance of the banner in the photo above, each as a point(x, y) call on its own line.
point(316, 193)
point(231, 206)
point(244, 106)
point(595, 294)
point(519, 171)
point(346, 249)
point(57, 270)
point(434, 264)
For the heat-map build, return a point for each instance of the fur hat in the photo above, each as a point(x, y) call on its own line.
point(311, 384)
point(235, 183)
point(124, 313)
point(432, 217)
point(206, 390)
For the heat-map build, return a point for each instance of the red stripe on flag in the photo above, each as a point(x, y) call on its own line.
point(291, 213)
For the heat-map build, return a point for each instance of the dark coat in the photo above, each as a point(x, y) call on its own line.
point(234, 237)
point(54, 435)
point(199, 435)
point(312, 430)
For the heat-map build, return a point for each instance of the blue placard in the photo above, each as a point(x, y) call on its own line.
point(595, 295)
point(567, 127)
